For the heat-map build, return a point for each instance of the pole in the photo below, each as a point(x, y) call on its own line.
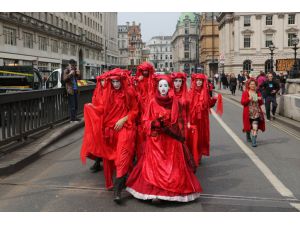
point(272, 64)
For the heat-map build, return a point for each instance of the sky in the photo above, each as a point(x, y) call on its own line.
point(152, 24)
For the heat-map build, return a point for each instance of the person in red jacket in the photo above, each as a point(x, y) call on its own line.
point(201, 102)
point(253, 117)
point(163, 172)
point(144, 91)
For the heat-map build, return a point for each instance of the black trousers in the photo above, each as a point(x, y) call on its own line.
point(269, 100)
point(73, 105)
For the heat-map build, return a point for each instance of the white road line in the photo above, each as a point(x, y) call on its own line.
point(276, 183)
point(296, 205)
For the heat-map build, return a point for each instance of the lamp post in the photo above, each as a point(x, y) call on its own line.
point(272, 48)
point(295, 42)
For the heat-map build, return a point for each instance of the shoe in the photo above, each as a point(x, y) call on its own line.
point(119, 185)
point(96, 167)
point(254, 144)
point(156, 201)
point(248, 137)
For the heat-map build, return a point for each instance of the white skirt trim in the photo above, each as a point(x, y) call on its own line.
point(179, 198)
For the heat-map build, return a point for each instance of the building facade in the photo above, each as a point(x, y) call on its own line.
point(135, 45)
point(46, 39)
point(245, 39)
point(161, 53)
point(209, 43)
point(123, 45)
point(185, 43)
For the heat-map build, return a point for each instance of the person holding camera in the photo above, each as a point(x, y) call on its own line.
point(71, 75)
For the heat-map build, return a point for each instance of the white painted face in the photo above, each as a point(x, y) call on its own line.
point(163, 87)
point(102, 82)
point(116, 84)
point(199, 82)
point(178, 83)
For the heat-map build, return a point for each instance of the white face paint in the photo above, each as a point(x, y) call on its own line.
point(116, 84)
point(199, 82)
point(177, 83)
point(163, 87)
point(102, 82)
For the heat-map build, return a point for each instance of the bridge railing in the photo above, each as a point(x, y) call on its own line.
point(24, 113)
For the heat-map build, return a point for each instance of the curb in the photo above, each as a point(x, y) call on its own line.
point(19, 159)
point(279, 118)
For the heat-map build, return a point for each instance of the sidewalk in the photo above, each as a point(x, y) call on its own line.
point(293, 124)
point(27, 153)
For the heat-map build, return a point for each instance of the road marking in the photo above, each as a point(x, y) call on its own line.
point(276, 183)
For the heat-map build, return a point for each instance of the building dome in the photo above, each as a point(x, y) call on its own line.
point(193, 17)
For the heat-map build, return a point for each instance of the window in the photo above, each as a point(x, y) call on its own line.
point(290, 37)
point(166, 64)
point(42, 43)
point(170, 56)
point(268, 65)
point(28, 40)
point(269, 39)
point(161, 57)
point(65, 48)
point(166, 56)
point(247, 21)
point(73, 50)
point(186, 55)
point(54, 46)
point(51, 18)
point(247, 41)
point(171, 65)
point(10, 36)
point(186, 31)
point(291, 19)
point(247, 65)
point(269, 20)
point(87, 52)
point(186, 46)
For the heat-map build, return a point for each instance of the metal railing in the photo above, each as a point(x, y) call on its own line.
point(24, 113)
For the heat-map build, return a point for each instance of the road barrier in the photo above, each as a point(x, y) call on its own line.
point(25, 113)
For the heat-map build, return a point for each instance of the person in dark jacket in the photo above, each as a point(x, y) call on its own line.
point(224, 81)
point(232, 83)
point(271, 87)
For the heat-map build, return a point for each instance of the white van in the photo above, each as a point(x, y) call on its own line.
point(54, 80)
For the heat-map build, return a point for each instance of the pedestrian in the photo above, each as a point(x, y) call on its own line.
point(261, 78)
point(216, 79)
point(164, 172)
point(240, 81)
point(253, 117)
point(224, 81)
point(70, 77)
point(271, 87)
point(232, 83)
point(282, 78)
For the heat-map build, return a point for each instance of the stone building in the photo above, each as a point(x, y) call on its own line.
point(245, 39)
point(185, 43)
point(209, 43)
point(46, 39)
point(123, 45)
point(135, 44)
point(161, 53)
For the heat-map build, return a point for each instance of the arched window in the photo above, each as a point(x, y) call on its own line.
point(268, 66)
point(247, 65)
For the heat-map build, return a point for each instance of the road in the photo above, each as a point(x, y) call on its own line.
point(236, 177)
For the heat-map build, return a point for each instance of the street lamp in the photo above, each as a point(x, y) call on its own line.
point(295, 42)
point(272, 48)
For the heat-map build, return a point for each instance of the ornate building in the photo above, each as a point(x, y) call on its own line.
point(135, 44)
point(46, 39)
point(123, 45)
point(209, 43)
point(161, 53)
point(185, 43)
point(245, 39)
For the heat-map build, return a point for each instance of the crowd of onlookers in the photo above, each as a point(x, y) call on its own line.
point(232, 82)
point(269, 85)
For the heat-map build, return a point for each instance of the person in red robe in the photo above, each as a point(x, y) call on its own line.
point(144, 88)
point(201, 102)
point(253, 117)
point(92, 139)
point(163, 172)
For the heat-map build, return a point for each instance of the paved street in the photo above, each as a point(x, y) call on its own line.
point(231, 180)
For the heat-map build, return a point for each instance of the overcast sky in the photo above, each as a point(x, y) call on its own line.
point(152, 24)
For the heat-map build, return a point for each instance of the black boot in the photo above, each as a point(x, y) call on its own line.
point(119, 186)
point(97, 166)
point(248, 137)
